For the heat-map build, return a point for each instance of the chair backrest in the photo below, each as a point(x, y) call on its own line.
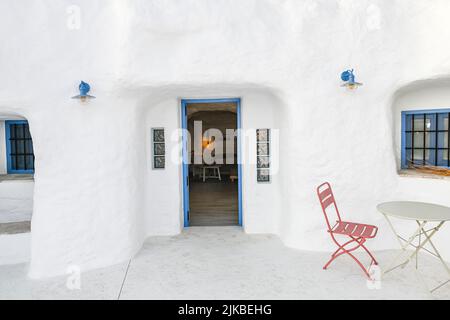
point(326, 199)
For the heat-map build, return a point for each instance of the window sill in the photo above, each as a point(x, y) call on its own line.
point(16, 177)
point(410, 173)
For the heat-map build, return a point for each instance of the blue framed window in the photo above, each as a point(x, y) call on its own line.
point(19, 147)
point(425, 138)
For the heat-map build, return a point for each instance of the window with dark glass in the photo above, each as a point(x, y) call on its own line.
point(426, 137)
point(19, 147)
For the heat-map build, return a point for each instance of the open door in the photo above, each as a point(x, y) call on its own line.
point(212, 191)
point(185, 164)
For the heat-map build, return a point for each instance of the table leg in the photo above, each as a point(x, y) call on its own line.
point(418, 233)
point(438, 255)
point(417, 255)
point(403, 246)
point(427, 240)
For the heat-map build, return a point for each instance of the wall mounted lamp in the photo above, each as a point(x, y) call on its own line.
point(349, 80)
point(84, 89)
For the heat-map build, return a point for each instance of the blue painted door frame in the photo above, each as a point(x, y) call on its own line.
point(184, 103)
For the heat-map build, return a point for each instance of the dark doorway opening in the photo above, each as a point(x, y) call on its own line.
point(213, 172)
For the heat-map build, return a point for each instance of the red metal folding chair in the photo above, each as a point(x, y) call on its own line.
point(357, 232)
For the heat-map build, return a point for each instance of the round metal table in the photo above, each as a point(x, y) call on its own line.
point(424, 214)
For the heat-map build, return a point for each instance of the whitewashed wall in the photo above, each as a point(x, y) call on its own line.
point(163, 193)
point(97, 194)
point(16, 200)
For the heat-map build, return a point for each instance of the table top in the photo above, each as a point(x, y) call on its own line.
point(412, 210)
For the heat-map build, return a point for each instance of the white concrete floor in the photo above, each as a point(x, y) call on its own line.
point(225, 263)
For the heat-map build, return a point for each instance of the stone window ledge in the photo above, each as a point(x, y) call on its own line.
point(410, 173)
point(16, 177)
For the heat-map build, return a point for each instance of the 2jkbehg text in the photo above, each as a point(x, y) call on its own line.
point(226, 310)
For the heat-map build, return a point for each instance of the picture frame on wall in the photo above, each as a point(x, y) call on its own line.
point(158, 148)
point(263, 155)
point(263, 175)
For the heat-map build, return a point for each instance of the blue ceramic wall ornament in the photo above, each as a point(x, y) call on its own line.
point(84, 89)
point(349, 80)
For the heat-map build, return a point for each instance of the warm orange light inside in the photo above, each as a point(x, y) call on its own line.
point(206, 143)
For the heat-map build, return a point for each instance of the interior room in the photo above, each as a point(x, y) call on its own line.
point(213, 169)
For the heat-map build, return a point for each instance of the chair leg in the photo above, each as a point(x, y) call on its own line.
point(333, 256)
point(341, 250)
point(370, 254)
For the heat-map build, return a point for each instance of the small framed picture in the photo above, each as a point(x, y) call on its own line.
point(262, 135)
point(263, 175)
point(263, 162)
point(159, 162)
point(159, 149)
point(262, 149)
point(158, 135)
point(262, 155)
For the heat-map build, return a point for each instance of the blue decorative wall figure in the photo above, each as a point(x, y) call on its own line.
point(84, 88)
point(349, 78)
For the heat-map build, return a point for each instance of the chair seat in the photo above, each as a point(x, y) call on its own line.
point(355, 229)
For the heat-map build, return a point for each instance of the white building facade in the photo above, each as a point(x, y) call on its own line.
point(96, 195)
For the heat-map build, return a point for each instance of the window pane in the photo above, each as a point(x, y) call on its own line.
point(13, 146)
point(408, 155)
point(418, 156)
point(418, 140)
point(30, 162)
point(28, 146)
point(409, 122)
point(430, 157)
point(442, 158)
point(12, 131)
point(430, 122)
point(13, 162)
point(19, 131)
point(443, 121)
point(20, 163)
point(27, 131)
point(430, 140)
point(20, 146)
point(418, 122)
point(408, 137)
point(31, 146)
point(442, 140)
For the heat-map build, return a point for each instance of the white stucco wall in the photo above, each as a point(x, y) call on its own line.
point(15, 248)
point(96, 198)
point(163, 193)
point(16, 200)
